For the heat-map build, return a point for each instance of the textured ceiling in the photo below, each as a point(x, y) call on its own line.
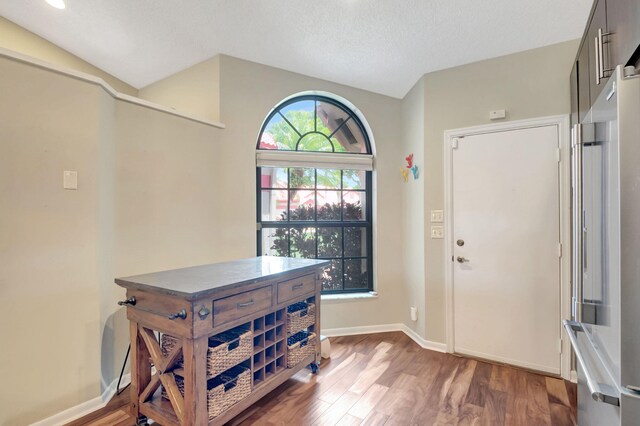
point(379, 45)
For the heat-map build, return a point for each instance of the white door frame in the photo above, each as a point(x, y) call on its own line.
point(562, 124)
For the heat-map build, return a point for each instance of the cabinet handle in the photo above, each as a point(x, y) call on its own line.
point(602, 72)
point(297, 286)
point(246, 304)
point(130, 301)
point(597, 52)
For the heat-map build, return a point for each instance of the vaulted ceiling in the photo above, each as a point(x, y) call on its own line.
point(379, 45)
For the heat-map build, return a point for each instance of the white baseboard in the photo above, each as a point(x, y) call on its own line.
point(369, 329)
point(573, 376)
point(85, 408)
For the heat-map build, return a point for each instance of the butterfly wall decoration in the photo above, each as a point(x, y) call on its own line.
point(409, 167)
point(405, 174)
point(409, 159)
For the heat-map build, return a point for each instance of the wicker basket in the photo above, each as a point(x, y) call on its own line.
point(302, 345)
point(224, 390)
point(300, 316)
point(225, 349)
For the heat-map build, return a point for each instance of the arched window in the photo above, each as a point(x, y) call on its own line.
point(314, 187)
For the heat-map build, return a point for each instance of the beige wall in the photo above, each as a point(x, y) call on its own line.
point(248, 91)
point(529, 84)
point(48, 292)
point(147, 200)
point(18, 39)
point(413, 214)
point(195, 90)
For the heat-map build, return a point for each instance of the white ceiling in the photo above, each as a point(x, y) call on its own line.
point(379, 45)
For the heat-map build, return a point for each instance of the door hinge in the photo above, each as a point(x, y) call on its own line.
point(258, 226)
point(560, 345)
point(559, 249)
point(558, 155)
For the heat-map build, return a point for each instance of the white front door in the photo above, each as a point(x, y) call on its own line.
point(506, 233)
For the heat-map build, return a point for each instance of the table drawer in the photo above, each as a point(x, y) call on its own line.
point(240, 305)
point(292, 289)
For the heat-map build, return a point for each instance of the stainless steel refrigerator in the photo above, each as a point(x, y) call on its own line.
point(605, 330)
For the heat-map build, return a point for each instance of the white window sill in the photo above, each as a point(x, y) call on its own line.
point(350, 297)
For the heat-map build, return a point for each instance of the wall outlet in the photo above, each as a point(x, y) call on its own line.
point(437, 232)
point(414, 313)
point(498, 114)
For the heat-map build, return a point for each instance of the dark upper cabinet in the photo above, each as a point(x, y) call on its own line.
point(598, 41)
point(584, 77)
point(612, 38)
point(575, 108)
point(623, 21)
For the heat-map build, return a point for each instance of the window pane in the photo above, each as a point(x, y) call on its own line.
point(302, 178)
point(332, 279)
point(275, 242)
point(337, 146)
point(273, 177)
point(302, 205)
point(329, 117)
point(274, 205)
point(303, 242)
point(329, 205)
point(355, 274)
point(328, 179)
point(300, 115)
point(329, 242)
point(278, 134)
point(355, 242)
point(315, 142)
point(354, 205)
point(351, 138)
point(354, 179)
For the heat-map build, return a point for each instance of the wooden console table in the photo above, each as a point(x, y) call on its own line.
point(193, 304)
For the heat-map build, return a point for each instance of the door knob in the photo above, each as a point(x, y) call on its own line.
point(461, 259)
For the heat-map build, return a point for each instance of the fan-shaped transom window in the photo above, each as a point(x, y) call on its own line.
point(314, 123)
point(314, 199)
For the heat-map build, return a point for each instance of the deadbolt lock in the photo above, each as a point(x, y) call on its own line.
point(460, 243)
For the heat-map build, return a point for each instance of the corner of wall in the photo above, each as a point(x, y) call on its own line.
point(18, 39)
point(413, 217)
point(195, 90)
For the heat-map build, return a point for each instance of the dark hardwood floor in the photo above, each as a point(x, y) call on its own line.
point(388, 379)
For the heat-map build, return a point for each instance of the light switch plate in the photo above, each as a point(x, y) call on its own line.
point(437, 232)
point(70, 179)
point(437, 216)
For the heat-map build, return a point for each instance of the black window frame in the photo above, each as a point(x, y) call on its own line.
point(366, 224)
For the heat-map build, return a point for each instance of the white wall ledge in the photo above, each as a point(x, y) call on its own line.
point(348, 297)
point(91, 79)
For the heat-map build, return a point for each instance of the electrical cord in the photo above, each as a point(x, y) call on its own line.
point(118, 390)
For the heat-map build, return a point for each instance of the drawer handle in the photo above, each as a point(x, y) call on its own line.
point(130, 301)
point(182, 315)
point(297, 286)
point(246, 304)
